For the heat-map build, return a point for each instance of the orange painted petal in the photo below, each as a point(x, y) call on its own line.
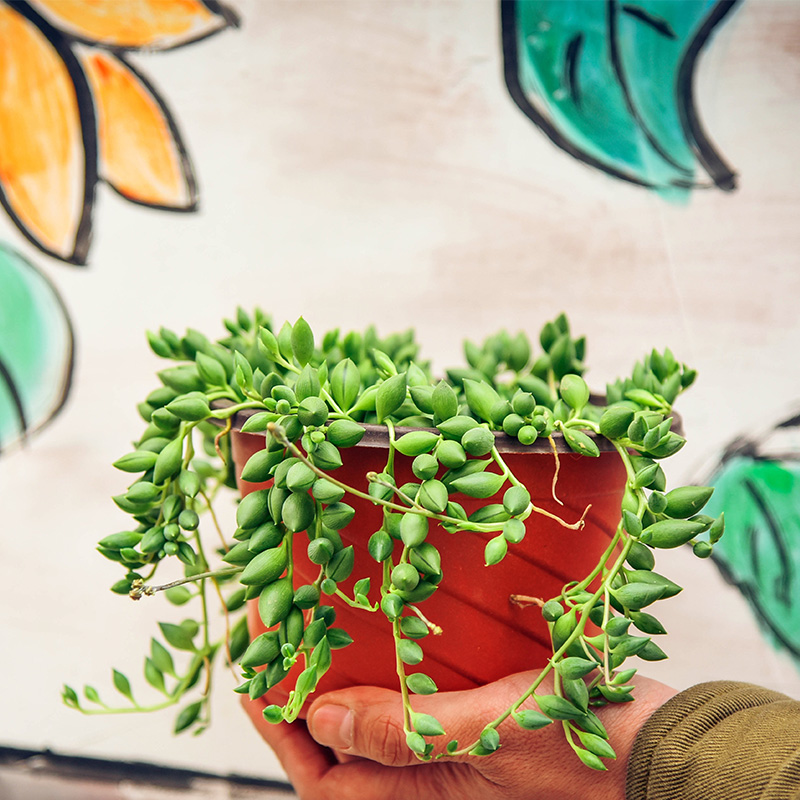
point(42, 160)
point(140, 153)
point(152, 24)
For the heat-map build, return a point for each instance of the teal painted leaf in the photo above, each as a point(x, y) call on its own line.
point(612, 83)
point(36, 349)
point(760, 549)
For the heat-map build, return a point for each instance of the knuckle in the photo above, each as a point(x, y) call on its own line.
point(389, 740)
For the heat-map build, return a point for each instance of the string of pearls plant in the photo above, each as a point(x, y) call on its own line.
point(310, 400)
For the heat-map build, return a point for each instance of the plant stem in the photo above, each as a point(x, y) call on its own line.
point(144, 590)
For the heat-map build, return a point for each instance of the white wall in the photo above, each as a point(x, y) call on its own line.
point(362, 162)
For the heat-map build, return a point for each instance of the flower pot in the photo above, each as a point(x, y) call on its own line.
point(485, 635)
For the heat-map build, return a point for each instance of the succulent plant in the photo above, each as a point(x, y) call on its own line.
point(311, 399)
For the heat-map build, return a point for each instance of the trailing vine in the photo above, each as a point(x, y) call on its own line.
point(310, 400)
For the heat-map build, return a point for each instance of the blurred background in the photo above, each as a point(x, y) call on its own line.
point(457, 166)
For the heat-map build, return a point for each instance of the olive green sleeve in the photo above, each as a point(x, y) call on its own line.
point(719, 741)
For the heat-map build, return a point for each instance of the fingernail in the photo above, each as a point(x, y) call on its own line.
point(332, 726)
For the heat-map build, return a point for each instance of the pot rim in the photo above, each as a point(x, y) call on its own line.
point(377, 435)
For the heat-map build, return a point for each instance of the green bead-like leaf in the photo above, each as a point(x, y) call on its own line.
point(413, 627)
point(380, 545)
point(298, 511)
point(327, 492)
point(262, 650)
point(300, 477)
point(339, 638)
point(416, 743)
point(410, 653)
point(495, 550)
point(190, 408)
point(391, 395)
point(580, 442)
point(161, 657)
point(481, 397)
point(615, 421)
point(176, 635)
point(405, 577)
point(481, 484)
point(444, 401)
point(345, 433)
point(433, 496)
point(451, 454)
point(211, 370)
point(337, 516)
point(516, 500)
point(275, 601)
point(652, 652)
point(345, 382)
point(531, 720)
point(265, 567)
point(413, 529)
point(188, 716)
point(416, 443)
point(326, 456)
point(420, 683)
point(168, 462)
point(426, 725)
point(308, 383)
point(558, 707)
point(638, 595)
point(122, 684)
point(320, 551)
point(426, 558)
point(669, 533)
point(302, 341)
point(259, 465)
point(253, 510)
point(341, 564)
point(574, 391)
point(590, 759)
point(685, 501)
point(575, 667)
point(312, 411)
point(118, 541)
point(137, 461)
point(490, 739)
point(641, 557)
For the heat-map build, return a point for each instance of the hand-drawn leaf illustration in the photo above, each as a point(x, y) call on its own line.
point(47, 156)
point(73, 110)
point(760, 549)
point(138, 24)
point(36, 349)
point(612, 84)
point(141, 153)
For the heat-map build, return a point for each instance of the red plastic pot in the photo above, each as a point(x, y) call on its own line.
point(484, 635)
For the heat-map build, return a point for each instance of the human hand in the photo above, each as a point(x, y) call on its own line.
point(352, 747)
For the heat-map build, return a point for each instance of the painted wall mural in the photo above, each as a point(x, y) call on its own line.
point(36, 349)
point(612, 84)
point(758, 487)
point(75, 111)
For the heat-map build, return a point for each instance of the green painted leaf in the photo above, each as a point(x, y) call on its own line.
point(36, 349)
point(612, 84)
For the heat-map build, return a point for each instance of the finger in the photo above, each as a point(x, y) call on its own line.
point(304, 761)
point(316, 775)
point(368, 721)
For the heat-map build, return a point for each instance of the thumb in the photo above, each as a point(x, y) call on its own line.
point(367, 721)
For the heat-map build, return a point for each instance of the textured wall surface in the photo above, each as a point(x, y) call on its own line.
point(364, 162)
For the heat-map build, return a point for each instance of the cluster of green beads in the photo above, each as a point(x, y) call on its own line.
point(311, 400)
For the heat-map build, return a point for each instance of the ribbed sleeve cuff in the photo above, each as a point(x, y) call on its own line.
point(719, 741)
